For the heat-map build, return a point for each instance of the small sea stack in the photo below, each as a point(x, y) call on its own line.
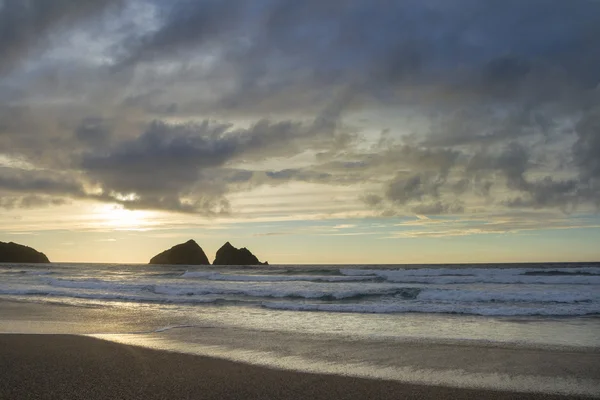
point(229, 255)
point(188, 253)
point(18, 253)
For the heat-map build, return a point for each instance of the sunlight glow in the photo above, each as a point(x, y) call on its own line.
point(117, 217)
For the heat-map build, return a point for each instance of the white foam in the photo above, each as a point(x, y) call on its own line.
point(479, 291)
point(472, 309)
point(216, 276)
point(197, 274)
point(444, 276)
point(415, 374)
point(40, 272)
point(96, 284)
point(528, 296)
point(282, 290)
point(108, 296)
point(114, 290)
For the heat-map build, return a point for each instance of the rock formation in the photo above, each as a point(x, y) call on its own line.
point(229, 255)
point(188, 253)
point(17, 253)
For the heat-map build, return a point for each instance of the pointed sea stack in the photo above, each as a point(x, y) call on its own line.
point(17, 253)
point(229, 255)
point(188, 253)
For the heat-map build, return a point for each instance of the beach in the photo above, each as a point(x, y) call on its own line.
point(143, 331)
point(78, 367)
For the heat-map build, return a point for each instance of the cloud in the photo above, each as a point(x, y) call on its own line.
point(438, 208)
point(514, 223)
point(586, 150)
point(24, 181)
point(278, 49)
point(299, 175)
point(403, 189)
point(94, 131)
point(187, 23)
point(26, 24)
point(27, 188)
point(424, 107)
point(182, 167)
point(372, 200)
point(29, 201)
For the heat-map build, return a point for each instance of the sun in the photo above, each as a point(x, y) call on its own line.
point(116, 217)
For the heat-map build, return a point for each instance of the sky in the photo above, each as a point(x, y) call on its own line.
point(334, 132)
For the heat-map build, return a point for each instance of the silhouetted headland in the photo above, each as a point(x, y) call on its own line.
point(188, 253)
point(229, 255)
point(18, 253)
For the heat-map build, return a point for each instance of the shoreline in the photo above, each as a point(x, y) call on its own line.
point(52, 366)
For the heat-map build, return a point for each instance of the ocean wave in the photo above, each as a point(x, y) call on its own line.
point(112, 296)
point(478, 291)
point(418, 306)
point(289, 292)
point(105, 289)
point(557, 310)
point(490, 296)
point(444, 276)
point(560, 273)
point(157, 293)
point(95, 284)
point(24, 272)
point(216, 276)
point(333, 290)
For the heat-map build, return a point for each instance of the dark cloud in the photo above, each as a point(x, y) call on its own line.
point(547, 193)
point(24, 24)
point(188, 161)
point(187, 24)
point(372, 200)
point(403, 189)
point(206, 205)
point(487, 125)
point(504, 94)
point(503, 50)
point(461, 186)
point(41, 182)
point(10, 115)
point(586, 150)
point(161, 165)
point(34, 189)
point(29, 201)
point(439, 187)
point(513, 163)
point(94, 131)
point(298, 174)
point(438, 208)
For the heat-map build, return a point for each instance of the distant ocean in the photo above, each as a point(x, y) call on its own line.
point(350, 318)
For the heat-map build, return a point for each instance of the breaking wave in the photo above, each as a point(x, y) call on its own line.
point(511, 291)
point(216, 276)
point(475, 309)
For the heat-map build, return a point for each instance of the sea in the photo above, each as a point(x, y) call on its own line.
point(522, 327)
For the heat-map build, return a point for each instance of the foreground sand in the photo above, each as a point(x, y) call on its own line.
point(76, 367)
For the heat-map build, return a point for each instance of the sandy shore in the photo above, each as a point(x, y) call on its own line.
point(76, 367)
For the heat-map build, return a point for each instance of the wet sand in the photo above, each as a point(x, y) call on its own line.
point(77, 367)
